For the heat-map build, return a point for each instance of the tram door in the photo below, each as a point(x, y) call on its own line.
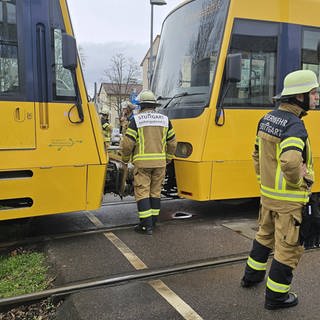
point(17, 118)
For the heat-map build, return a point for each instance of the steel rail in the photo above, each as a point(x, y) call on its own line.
point(38, 239)
point(128, 202)
point(58, 236)
point(63, 291)
point(66, 290)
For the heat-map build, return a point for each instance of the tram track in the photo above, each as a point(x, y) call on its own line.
point(76, 287)
point(129, 202)
point(37, 240)
point(79, 286)
point(65, 290)
point(7, 245)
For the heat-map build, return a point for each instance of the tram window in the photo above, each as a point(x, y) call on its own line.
point(187, 59)
point(310, 49)
point(64, 88)
point(9, 64)
point(257, 42)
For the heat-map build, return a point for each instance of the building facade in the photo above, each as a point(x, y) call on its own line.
point(145, 62)
point(110, 97)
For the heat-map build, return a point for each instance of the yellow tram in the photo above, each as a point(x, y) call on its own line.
point(51, 147)
point(213, 112)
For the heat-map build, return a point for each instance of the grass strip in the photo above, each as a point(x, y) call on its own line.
point(22, 273)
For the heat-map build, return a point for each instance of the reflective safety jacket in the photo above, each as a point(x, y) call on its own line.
point(149, 139)
point(282, 147)
point(107, 129)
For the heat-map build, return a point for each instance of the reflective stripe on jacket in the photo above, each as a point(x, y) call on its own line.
point(107, 129)
point(282, 147)
point(150, 139)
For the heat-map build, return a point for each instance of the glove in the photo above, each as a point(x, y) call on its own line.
point(310, 226)
point(315, 225)
point(306, 225)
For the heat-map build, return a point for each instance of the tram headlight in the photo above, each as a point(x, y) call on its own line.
point(184, 150)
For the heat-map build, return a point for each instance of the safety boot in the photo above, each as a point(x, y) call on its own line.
point(145, 226)
point(291, 301)
point(248, 283)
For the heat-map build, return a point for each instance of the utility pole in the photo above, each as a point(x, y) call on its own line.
point(150, 66)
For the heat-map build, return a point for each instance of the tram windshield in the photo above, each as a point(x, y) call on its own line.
point(188, 51)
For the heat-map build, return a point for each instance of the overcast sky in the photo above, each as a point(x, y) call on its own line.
point(104, 28)
point(101, 21)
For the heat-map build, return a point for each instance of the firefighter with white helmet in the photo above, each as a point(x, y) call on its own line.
point(106, 128)
point(283, 164)
point(150, 141)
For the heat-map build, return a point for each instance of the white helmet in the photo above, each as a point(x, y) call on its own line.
point(297, 82)
point(127, 105)
point(147, 97)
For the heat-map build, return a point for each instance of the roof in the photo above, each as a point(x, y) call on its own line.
point(113, 88)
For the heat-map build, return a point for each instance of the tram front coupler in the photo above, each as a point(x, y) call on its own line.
point(119, 177)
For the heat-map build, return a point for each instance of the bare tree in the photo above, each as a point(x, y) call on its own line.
point(122, 74)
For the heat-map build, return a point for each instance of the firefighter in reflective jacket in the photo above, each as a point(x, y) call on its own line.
point(283, 164)
point(106, 129)
point(150, 140)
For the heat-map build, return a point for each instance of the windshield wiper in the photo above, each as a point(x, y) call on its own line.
point(178, 95)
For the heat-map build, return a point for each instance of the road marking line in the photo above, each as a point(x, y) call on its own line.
point(94, 219)
point(127, 252)
point(158, 285)
point(183, 308)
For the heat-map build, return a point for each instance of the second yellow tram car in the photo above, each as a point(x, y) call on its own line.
point(214, 118)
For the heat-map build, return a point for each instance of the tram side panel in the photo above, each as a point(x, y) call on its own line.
point(51, 161)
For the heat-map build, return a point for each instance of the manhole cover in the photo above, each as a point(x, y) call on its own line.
point(181, 215)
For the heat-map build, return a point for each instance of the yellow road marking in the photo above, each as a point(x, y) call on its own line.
point(127, 252)
point(184, 309)
point(94, 219)
point(159, 286)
